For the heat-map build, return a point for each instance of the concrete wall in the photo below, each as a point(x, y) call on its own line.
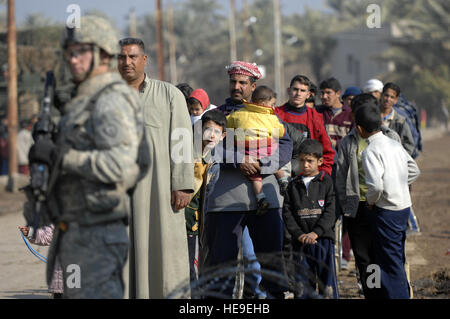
point(353, 61)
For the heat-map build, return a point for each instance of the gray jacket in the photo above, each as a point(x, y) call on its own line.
point(399, 124)
point(347, 178)
point(102, 161)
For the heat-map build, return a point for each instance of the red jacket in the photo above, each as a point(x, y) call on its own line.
point(310, 123)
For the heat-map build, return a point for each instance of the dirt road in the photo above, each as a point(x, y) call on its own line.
point(23, 276)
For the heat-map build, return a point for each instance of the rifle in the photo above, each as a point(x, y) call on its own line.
point(35, 212)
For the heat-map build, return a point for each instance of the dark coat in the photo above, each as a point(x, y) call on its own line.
point(311, 210)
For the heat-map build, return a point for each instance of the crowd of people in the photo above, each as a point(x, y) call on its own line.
point(255, 174)
point(328, 153)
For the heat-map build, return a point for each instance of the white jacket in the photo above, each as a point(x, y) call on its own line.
point(389, 170)
point(24, 143)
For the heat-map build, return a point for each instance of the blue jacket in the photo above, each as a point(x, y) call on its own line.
point(408, 110)
point(229, 106)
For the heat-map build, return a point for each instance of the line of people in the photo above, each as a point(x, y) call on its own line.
point(193, 190)
point(233, 216)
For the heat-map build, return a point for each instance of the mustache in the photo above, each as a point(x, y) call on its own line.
point(124, 67)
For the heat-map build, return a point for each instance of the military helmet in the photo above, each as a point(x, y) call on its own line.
point(95, 30)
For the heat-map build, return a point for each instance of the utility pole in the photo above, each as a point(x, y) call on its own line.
point(246, 34)
point(132, 23)
point(172, 46)
point(12, 96)
point(232, 27)
point(279, 85)
point(160, 40)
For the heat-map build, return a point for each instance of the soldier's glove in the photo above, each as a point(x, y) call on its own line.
point(43, 151)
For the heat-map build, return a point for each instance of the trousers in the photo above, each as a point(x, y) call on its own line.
point(224, 231)
point(92, 259)
point(316, 268)
point(253, 268)
point(360, 234)
point(389, 235)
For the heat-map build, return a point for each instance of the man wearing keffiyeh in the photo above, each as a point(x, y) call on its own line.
point(231, 211)
point(243, 77)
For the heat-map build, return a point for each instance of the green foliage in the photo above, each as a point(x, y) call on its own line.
point(422, 53)
point(316, 29)
point(420, 50)
point(202, 45)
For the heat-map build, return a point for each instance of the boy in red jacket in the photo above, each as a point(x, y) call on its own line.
point(305, 119)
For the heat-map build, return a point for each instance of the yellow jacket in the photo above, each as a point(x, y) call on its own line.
point(258, 122)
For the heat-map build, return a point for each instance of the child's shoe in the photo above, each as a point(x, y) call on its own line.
point(263, 207)
point(283, 182)
point(283, 187)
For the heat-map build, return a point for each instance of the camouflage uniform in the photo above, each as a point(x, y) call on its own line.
point(101, 129)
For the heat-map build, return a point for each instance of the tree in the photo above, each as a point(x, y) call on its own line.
point(317, 30)
point(202, 45)
point(352, 13)
point(420, 47)
point(36, 20)
point(422, 51)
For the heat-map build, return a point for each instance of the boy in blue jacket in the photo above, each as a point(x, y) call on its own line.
point(206, 173)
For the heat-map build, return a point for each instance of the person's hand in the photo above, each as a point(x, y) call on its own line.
point(43, 151)
point(309, 238)
point(250, 166)
point(180, 199)
point(24, 230)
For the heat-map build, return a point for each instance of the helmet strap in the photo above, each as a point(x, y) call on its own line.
point(95, 58)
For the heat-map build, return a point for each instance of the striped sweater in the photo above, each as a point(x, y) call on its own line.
point(337, 124)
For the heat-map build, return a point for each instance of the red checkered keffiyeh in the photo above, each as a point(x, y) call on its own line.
point(244, 68)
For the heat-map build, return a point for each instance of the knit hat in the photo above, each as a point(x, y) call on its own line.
point(352, 90)
point(373, 85)
point(244, 68)
point(202, 97)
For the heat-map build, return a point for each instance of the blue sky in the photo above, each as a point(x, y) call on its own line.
point(118, 10)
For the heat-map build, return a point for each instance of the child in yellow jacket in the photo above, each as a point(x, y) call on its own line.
point(262, 129)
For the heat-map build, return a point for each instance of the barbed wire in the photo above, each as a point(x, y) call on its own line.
point(281, 271)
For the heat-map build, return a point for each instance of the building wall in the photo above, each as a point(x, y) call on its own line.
point(354, 59)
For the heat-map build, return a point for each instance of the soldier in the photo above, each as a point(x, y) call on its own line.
point(94, 163)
